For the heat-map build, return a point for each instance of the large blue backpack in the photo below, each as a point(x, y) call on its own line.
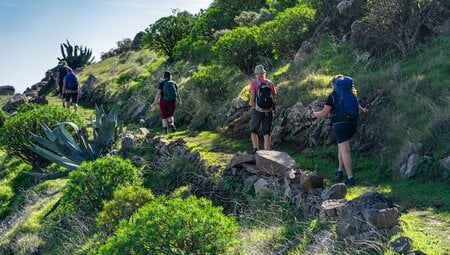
point(71, 81)
point(264, 96)
point(345, 102)
point(169, 91)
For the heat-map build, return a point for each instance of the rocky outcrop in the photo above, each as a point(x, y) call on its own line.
point(275, 163)
point(408, 159)
point(137, 41)
point(7, 90)
point(14, 103)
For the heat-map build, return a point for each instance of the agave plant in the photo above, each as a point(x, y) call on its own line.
point(77, 56)
point(62, 148)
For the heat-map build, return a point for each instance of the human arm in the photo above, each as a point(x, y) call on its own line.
point(251, 103)
point(157, 98)
point(180, 104)
point(363, 110)
point(323, 113)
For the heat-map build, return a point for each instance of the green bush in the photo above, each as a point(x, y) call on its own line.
point(126, 201)
point(3, 117)
point(15, 133)
point(174, 173)
point(212, 83)
point(405, 24)
point(95, 181)
point(244, 48)
point(288, 30)
point(175, 226)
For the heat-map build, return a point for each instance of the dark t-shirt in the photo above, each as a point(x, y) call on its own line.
point(160, 86)
point(330, 101)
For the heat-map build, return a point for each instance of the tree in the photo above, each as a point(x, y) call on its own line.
point(405, 22)
point(163, 35)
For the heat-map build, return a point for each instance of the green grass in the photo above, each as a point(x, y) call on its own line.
point(214, 148)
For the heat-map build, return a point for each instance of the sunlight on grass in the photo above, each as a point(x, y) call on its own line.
point(428, 234)
point(260, 240)
point(214, 148)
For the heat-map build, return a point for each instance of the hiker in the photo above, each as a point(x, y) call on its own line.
point(167, 95)
point(71, 89)
point(343, 107)
point(61, 72)
point(262, 99)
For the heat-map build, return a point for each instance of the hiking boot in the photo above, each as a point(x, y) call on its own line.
point(166, 130)
point(173, 128)
point(350, 181)
point(339, 175)
point(254, 151)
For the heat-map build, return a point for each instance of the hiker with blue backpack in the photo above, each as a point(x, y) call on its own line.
point(71, 89)
point(262, 99)
point(167, 96)
point(61, 72)
point(343, 107)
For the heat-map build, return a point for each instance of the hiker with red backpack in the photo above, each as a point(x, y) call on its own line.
point(343, 107)
point(167, 96)
point(262, 99)
point(71, 89)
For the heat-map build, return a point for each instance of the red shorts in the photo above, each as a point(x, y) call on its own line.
point(167, 109)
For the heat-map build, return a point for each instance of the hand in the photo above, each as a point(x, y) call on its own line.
point(364, 110)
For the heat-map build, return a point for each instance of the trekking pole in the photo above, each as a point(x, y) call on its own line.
point(310, 133)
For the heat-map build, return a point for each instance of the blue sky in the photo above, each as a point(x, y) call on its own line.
point(31, 31)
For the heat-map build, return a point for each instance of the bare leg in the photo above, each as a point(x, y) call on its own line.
point(267, 142)
point(255, 141)
point(341, 164)
point(344, 150)
point(75, 107)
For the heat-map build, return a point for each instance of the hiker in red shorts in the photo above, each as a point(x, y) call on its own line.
point(167, 95)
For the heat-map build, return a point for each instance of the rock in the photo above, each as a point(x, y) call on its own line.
point(407, 169)
point(251, 168)
point(324, 243)
point(241, 159)
point(140, 110)
point(7, 90)
point(358, 30)
point(337, 191)
point(274, 162)
point(14, 103)
point(408, 158)
point(401, 244)
point(443, 29)
point(88, 85)
point(128, 142)
point(137, 41)
point(345, 8)
point(445, 162)
point(362, 207)
point(251, 180)
point(32, 94)
point(39, 100)
point(265, 186)
point(306, 48)
point(311, 181)
point(331, 209)
point(384, 218)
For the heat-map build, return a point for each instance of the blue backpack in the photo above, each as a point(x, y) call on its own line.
point(71, 81)
point(345, 103)
point(264, 95)
point(169, 91)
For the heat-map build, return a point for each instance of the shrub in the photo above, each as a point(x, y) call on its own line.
point(3, 117)
point(288, 30)
point(171, 174)
point(405, 23)
point(126, 201)
point(175, 226)
point(212, 83)
point(243, 48)
point(15, 133)
point(95, 181)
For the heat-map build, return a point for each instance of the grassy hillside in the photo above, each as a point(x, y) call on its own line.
point(408, 98)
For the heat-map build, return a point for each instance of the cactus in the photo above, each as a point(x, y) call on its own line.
point(61, 148)
point(77, 56)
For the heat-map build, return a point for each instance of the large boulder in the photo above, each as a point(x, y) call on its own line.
point(366, 213)
point(274, 162)
point(14, 103)
point(7, 90)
